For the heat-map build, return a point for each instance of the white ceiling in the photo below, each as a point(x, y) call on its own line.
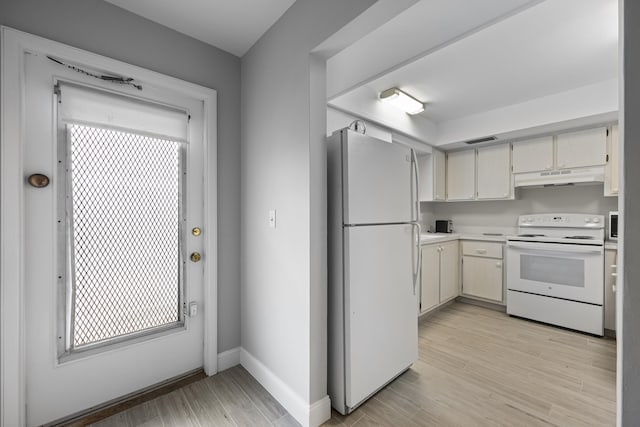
point(553, 46)
point(423, 27)
point(233, 26)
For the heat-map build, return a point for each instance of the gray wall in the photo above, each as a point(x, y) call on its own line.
point(628, 365)
point(283, 127)
point(105, 29)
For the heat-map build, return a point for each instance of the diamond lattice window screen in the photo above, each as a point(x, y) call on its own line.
point(126, 209)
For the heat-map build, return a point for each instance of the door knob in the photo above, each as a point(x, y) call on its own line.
point(38, 180)
point(195, 257)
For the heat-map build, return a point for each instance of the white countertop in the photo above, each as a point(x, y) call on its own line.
point(427, 238)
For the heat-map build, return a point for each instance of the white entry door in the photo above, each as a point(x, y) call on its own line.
point(113, 298)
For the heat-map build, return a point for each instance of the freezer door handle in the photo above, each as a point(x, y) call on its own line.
point(416, 175)
point(416, 274)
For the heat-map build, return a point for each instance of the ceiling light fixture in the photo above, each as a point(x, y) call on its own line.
point(401, 100)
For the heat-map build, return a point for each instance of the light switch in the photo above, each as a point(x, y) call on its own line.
point(272, 218)
point(193, 309)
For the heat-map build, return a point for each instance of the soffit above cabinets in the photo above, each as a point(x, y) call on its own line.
point(233, 26)
point(527, 60)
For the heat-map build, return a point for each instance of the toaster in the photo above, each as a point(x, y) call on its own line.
point(444, 226)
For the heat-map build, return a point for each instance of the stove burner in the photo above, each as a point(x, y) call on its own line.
point(580, 237)
point(530, 235)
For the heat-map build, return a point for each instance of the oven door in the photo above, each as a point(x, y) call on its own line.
point(573, 272)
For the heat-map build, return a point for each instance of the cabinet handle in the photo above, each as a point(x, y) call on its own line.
point(613, 288)
point(614, 274)
point(614, 266)
point(498, 264)
point(481, 251)
point(505, 194)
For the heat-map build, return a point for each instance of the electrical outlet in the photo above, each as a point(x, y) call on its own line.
point(272, 218)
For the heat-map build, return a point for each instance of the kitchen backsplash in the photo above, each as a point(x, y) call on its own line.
point(501, 216)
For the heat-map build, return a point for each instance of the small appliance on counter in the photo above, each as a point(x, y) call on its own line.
point(613, 225)
point(444, 226)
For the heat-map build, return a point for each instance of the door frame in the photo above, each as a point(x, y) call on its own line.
point(13, 45)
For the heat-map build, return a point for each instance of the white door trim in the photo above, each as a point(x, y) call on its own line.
point(12, 113)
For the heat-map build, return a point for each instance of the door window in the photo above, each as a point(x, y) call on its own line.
point(122, 212)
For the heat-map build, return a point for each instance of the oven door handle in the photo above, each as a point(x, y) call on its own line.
point(582, 249)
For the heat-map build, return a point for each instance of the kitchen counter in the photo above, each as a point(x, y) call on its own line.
point(427, 238)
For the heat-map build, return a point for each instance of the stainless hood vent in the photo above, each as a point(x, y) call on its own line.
point(479, 140)
point(592, 175)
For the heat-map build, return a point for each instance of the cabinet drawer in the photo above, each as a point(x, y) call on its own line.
point(482, 249)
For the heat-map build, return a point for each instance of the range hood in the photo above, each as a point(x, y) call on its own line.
point(592, 175)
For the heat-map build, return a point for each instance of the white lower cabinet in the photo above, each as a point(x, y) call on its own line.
point(482, 270)
point(610, 270)
point(440, 274)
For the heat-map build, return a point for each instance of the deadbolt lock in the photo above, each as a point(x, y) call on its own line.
point(196, 231)
point(195, 257)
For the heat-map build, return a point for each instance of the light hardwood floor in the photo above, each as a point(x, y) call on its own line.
point(477, 367)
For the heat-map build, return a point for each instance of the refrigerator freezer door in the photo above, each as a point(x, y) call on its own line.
point(379, 181)
point(381, 318)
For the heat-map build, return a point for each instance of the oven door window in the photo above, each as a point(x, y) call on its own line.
point(545, 269)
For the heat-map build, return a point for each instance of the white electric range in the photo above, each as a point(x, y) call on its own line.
point(555, 270)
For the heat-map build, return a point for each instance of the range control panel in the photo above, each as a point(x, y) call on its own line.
point(561, 220)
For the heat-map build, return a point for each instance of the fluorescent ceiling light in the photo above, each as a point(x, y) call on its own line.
point(401, 100)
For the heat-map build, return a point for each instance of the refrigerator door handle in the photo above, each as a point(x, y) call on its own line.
point(414, 163)
point(416, 274)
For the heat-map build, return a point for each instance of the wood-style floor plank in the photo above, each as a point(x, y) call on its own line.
point(476, 367)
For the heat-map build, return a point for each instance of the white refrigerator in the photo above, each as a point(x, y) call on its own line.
point(374, 265)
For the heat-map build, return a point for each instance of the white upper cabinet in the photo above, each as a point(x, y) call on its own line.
point(580, 149)
point(611, 177)
point(439, 175)
point(461, 175)
point(533, 155)
point(494, 172)
point(432, 176)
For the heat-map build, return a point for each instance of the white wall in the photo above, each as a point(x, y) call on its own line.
point(502, 216)
point(103, 28)
point(284, 269)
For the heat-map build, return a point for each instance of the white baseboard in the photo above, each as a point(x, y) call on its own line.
point(308, 415)
point(228, 359)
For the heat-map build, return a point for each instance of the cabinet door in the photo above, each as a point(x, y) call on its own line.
point(449, 271)
point(432, 176)
point(609, 294)
point(533, 155)
point(611, 182)
point(494, 172)
point(482, 277)
point(461, 175)
point(579, 149)
point(439, 175)
point(430, 288)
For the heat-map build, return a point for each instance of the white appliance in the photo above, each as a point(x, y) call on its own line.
point(374, 265)
point(555, 270)
point(577, 176)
